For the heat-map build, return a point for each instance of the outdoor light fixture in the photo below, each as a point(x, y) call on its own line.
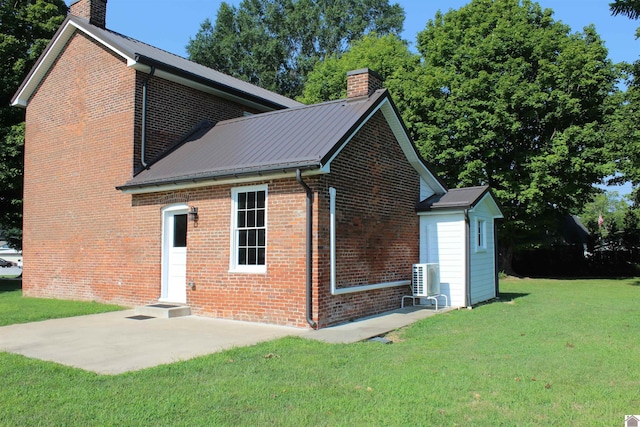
point(193, 213)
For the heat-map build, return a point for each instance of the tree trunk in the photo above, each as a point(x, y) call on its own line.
point(505, 259)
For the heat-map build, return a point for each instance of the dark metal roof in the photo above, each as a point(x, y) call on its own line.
point(457, 198)
point(279, 141)
point(136, 51)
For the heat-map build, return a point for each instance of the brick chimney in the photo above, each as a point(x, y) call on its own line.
point(95, 11)
point(362, 82)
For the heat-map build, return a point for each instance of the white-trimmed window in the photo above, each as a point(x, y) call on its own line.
point(249, 229)
point(481, 235)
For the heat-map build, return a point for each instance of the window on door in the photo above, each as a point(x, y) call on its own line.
point(180, 231)
point(249, 231)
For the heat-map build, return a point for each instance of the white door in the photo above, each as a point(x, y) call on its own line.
point(174, 257)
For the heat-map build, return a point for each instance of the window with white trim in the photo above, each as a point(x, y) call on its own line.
point(482, 235)
point(249, 229)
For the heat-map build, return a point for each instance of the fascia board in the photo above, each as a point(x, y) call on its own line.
point(407, 147)
point(326, 167)
point(64, 34)
point(152, 188)
point(401, 136)
point(159, 72)
point(492, 206)
point(51, 54)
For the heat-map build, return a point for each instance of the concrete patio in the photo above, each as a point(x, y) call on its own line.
point(113, 343)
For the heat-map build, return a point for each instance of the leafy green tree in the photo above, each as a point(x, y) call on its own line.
point(626, 124)
point(631, 8)
point(631, 225)
point(388, 55)
point(26, 26)
point(511, 98)
point(604, 217)
point(275, 43)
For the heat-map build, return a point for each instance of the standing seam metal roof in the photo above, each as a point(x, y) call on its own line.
point(304, 137)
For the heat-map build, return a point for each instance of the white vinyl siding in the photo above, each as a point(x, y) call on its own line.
point(444, 235)
point(483, 258)
point(443, 241)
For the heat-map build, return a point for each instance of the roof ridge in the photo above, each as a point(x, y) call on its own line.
point(364, 98)
point(133, 39)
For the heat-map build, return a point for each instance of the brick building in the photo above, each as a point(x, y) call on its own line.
point(150, 178)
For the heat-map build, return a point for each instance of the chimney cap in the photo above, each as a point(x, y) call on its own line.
point(364, 71)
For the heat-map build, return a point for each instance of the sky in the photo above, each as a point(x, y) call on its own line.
point(170, 24)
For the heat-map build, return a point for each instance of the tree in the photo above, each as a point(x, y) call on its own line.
point(510, 98)
point(631, 8)
point(26, 26)
point(388, 55)
point(275, 43)
point(604, 217)
point(626, 124)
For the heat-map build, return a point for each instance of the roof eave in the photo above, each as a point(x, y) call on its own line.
point(144, 63)
point(409, 148)
point(41, 67)
point(226, 177)
point(133, 60)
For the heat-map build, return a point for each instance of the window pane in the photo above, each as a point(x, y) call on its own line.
point(250, 228)
point(180, 231)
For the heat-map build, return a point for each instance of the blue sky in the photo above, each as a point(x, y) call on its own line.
point(169, 24)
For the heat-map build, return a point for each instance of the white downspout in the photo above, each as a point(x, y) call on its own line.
point(332, 237)
point(332, 250)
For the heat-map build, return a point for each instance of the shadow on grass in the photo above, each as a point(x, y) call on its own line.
point(510, 296)
point(9, 285)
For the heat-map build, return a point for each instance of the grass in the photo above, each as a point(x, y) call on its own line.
point(550, 353)
point(16, 309)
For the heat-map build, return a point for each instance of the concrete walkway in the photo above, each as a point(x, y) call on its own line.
point(113, 343)
point(373, 326)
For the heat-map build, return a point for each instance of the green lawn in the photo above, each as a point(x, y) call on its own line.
point(551, 353)
point(16, 309)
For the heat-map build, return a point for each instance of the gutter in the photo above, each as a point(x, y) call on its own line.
point(145, 60)
point(467, 267)
point(309, 239)
point(496, 254)
point(143, 143)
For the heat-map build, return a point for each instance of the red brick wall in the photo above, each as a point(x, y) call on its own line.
point(277, 296)
point(377, 229)
point(82, 239)
point(77, 228)
point(172, 111)
point(85, 240)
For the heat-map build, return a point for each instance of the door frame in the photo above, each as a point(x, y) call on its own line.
point(167, 239)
